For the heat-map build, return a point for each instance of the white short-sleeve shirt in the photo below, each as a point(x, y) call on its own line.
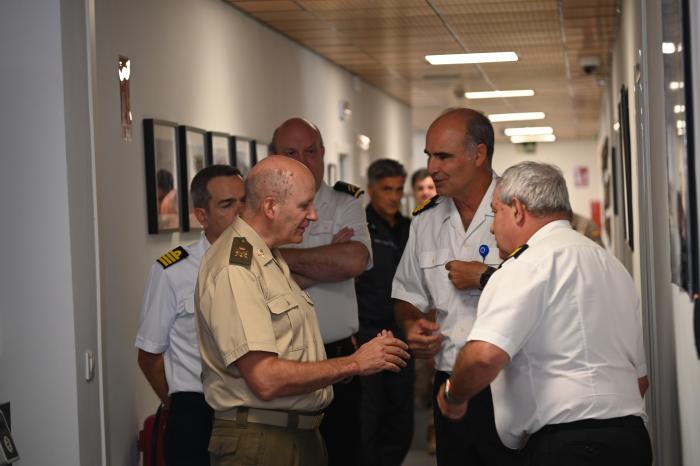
point(437, 237)
point(335, 302)
point(168, 322)
point(567, 313)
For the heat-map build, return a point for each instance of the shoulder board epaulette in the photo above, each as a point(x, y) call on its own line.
point(514, 255)
point(427, 204)
point(348, 188)
point(172, 257)
point(519, 250)
point(241, 251)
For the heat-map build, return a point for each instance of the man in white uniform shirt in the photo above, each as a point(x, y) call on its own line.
point(167, 339)
point(444, 265)
point(336, 249)
point(564, 343)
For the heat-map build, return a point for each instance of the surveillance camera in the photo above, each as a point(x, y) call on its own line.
point(589, 65)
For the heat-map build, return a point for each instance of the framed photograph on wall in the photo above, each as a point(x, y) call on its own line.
point(245, 154)
point(261, 150)
point(626, 162)
point(218, 149)
point(192, 156)
point(163, 175)
point(680, 145)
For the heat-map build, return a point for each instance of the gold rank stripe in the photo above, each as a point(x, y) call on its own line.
point(172, 257)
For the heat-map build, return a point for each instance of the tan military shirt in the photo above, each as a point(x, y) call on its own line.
point(255, 307)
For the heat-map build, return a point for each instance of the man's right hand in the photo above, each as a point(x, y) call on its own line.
point(343, 235)
point(423, 337)
point(383, 352)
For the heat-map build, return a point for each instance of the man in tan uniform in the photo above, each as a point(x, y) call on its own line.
point(264, 367)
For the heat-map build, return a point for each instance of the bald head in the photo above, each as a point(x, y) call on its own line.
point(279, 200)
point(301, 140)
point(274, 177)
point(476, 127)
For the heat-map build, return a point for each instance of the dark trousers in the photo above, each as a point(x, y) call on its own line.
point(613, 442)
point(473, 440)
point(188, 430)
point(387, 411)
point(340, 427)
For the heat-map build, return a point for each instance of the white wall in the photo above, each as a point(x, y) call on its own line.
point(41, 301)
point(203, 64)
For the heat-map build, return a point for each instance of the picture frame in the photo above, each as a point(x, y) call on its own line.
point(680, 145)
point(218, 149)
point(245, 154)
point(164, 170)
point(192, 143)
point(262, 150)
point(626, 161)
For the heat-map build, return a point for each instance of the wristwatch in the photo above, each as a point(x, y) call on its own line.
point(484, 279)
point(450, 399)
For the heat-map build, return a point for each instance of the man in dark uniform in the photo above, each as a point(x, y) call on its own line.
point(387, 398)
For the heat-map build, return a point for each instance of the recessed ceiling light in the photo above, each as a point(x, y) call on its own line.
point(499, 94)
point(469, 58)
point(529, 131)
point(536, 138)
point(498, 117)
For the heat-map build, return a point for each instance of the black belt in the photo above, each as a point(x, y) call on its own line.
point(336, 349)
point(625, 421)
point(193, 396)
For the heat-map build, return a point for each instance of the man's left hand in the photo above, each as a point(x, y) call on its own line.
point(450, 411)
point(465, 275)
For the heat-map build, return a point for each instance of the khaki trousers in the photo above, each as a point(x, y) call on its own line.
point(252, 444)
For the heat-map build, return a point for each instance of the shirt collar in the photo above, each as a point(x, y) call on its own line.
point(481, 211)
point(322, 194)
point(260, 250)
point(542, 233)
point(203, 242)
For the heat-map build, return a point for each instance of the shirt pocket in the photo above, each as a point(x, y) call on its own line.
point(287, 323)
point(432, 264)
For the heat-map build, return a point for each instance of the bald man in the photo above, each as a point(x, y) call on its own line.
point(265, 371)
point(335, 250)
point(449, 256)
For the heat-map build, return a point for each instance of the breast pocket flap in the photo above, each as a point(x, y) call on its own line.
point(429, 259)
point(282, 304)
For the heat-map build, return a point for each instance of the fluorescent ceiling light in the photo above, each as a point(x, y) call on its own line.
point(678, 108)
point(499, 94)
point(675, 85)
point(529, 131)
point(498, 117)
point(537, 138)
point(668, 48)
point(468, 58)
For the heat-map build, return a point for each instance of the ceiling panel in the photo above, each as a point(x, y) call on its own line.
point(385, 43)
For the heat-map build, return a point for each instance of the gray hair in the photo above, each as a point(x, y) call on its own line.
point(479, 129)
point(384, 168)
point(540, 186)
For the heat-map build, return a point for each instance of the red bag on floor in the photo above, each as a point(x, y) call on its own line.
point(151, 438)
